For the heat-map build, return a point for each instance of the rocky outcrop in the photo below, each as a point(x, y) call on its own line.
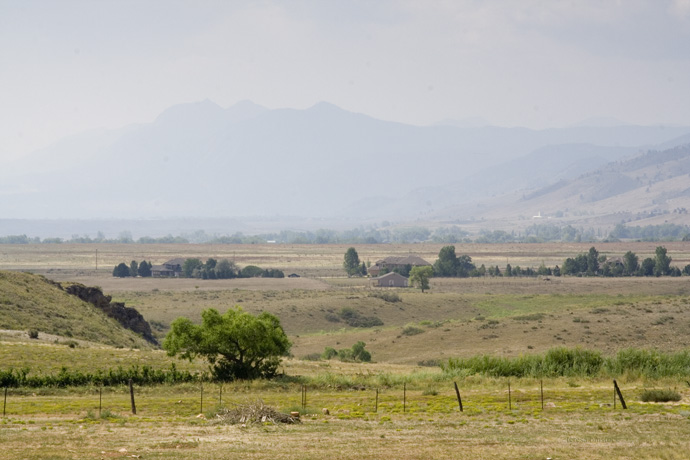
point(128, 317)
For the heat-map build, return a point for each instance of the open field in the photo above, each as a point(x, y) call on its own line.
point(420, 421)
point(577, 421)
point(457, 317)
point(307, 260)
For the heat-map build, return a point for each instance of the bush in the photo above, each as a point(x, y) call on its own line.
point(332, 317)
point(412, 330)
point(251, 271)
point(356, 353)
point(656, 395)
point(33, 333)
point(329, 353)
point(386, 296)
point(355, 319)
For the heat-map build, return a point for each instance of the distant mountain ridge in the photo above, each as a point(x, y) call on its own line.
point(201, 160)
point(651, 188)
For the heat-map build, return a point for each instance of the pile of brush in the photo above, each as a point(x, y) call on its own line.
point(256, 412)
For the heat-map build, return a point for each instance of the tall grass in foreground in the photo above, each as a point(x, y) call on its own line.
point(556, 362)
point(111, 377)
point(575, 362)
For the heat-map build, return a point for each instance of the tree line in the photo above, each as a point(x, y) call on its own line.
point(225, 269)
point(382, 234)
point(591, 263)
point(194, 268)
point(134, 269)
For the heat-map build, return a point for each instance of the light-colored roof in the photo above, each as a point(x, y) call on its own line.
point(406, 260)
point(389, 275)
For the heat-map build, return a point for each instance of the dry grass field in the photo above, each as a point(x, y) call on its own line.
point(457, 317)
point(308, 260)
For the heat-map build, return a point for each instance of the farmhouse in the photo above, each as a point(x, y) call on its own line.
point(390, 264)
point(391, 279)
point(170, 269)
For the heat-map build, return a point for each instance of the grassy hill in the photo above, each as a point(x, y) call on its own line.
point(31, 302)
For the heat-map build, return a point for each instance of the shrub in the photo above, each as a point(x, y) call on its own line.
point(356, 353)
point(656, 395)
point(332, 317)
point(251, 271)
point(355, 319)
point(386, 296)
point(329, 353)
point(33, 333)
point(530, 317)
point(412, 330)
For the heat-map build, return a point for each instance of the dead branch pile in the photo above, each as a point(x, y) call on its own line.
point(256, 412)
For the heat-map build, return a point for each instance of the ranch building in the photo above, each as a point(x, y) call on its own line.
point(391, 279)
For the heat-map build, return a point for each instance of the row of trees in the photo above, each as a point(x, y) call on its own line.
point(211, 269)
point(384, 233)
point(225, 269)
point(591, 263)
point(195, 268)
point(594, 264)
point(134, 269)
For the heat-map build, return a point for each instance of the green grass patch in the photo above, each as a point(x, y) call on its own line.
point(660, 395)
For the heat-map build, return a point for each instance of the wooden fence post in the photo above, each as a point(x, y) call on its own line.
point(510, 401)
point(620, 395)
point(220, 395)
point(376, 407)
point(457, 393)
point(201, 402)
point(131, 396)
point(4, 404)
point(100, 400)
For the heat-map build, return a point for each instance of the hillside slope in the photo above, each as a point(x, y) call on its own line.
point(649, 189)
point(31, 302)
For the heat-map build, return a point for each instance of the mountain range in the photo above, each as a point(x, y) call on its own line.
point(200, 160)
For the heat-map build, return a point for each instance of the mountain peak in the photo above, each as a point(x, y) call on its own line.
point(324, 106)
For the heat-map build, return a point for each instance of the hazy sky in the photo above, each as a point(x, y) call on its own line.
point(67, 66)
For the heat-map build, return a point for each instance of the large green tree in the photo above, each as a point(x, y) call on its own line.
point(226, 269)
point(190, 265)
point(144, 269)
point(236, 344)
point(121, 270)
point(447, 262)
point(351, 262)
point(419, 276)
point(662, 262)
point(631, 263)
point(592, 261)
